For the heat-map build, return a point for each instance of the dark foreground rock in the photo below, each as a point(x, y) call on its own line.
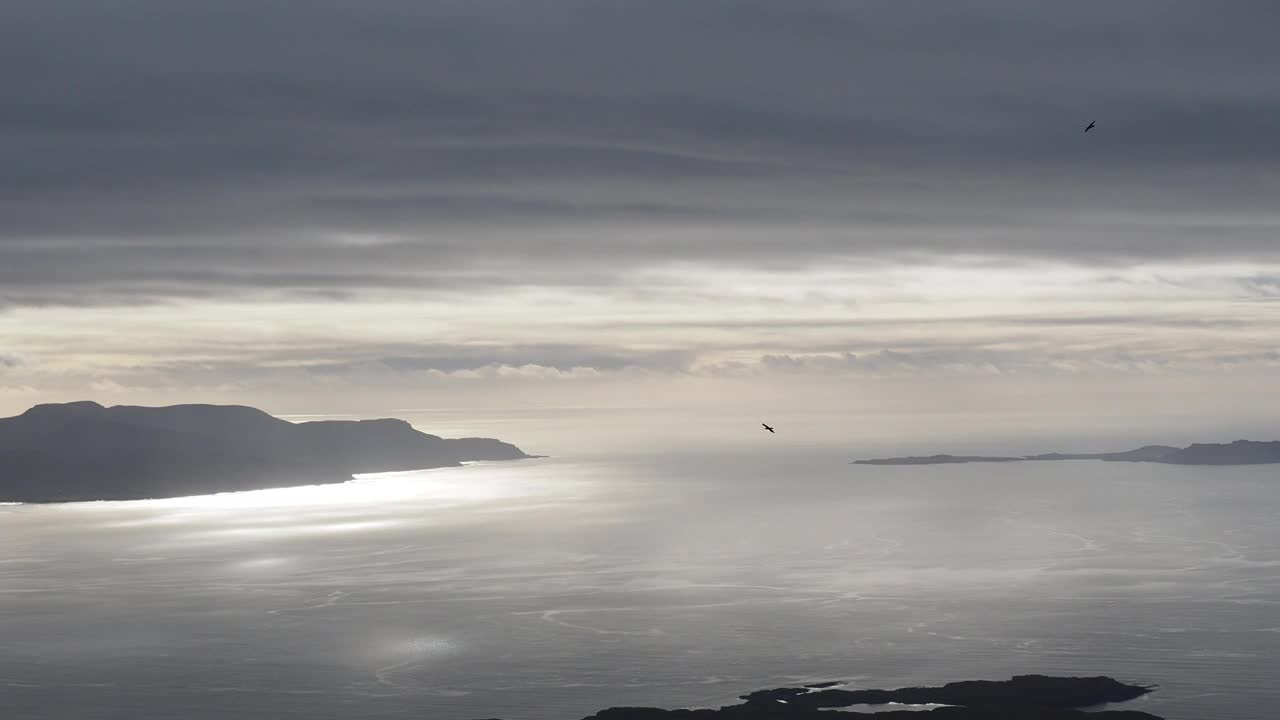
point(1026, 697)
point(84, 451)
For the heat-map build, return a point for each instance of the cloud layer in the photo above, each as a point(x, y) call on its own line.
point(200, 194)
point(168, 149)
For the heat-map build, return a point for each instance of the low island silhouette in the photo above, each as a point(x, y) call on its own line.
point(1240, 452)
point(84, 451)
point(1021, 698)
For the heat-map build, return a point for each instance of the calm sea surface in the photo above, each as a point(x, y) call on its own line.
point(548, 589)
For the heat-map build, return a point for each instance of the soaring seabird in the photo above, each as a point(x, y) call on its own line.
point(1090, 126)
point(766, 427)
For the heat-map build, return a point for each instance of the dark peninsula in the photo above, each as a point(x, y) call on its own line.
point(937, 460)
point(1021, 698)
point(84, 451)
point(1240, 452)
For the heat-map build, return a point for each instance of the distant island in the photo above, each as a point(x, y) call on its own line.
point(1240, 452)
point(1022, 697)
point(83, 451)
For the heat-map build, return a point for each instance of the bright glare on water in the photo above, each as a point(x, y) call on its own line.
point(546, 590)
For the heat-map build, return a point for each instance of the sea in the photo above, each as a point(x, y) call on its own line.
point(647, 572)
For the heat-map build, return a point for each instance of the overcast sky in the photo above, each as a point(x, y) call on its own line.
point(341, 206)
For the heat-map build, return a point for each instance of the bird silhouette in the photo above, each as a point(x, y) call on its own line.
point(766, 427)
point(1090, 126)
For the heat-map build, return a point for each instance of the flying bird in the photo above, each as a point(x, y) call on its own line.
point(766, 427)
point(1090, 126)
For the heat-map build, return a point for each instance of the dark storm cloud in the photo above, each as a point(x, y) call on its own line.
point(189, 148)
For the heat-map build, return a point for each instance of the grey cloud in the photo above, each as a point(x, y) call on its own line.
point(1007, 321)
point(189, 149)
point(1026, 361)
point(1266, 287)
point(445, 358)
point(558, 357)
point(908, 360)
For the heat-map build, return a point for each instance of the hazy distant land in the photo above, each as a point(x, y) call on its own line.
point(84, 451)
point(1240, 452)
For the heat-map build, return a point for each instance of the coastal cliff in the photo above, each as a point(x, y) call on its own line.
point(84, 451)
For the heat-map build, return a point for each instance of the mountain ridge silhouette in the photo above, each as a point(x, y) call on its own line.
point(82, 450)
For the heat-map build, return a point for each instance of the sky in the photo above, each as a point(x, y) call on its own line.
point(813, 205)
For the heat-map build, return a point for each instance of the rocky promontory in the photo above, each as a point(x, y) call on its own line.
point(84, 451)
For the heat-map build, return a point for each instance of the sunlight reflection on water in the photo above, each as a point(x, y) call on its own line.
point(369, 504)
point(545, 590)
point(478, 483)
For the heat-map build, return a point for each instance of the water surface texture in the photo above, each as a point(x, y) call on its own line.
point(548, 589)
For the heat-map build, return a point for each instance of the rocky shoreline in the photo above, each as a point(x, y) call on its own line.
point(1025, 697)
